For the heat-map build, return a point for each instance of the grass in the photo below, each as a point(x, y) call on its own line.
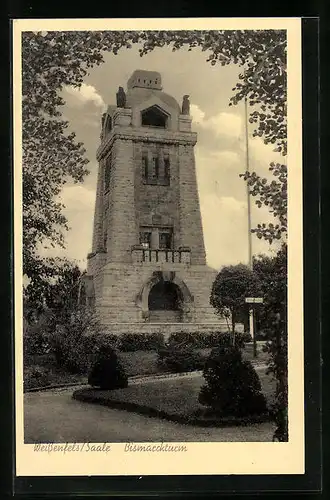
point(174, 399)
point(139, 362)
point(135, 363)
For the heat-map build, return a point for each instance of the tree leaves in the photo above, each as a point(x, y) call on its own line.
point(272, 194)
point(230, 288)
point(272, 272)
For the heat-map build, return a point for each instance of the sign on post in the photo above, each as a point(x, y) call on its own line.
point(254, 300)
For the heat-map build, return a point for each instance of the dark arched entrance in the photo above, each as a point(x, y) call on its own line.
point(165, 302)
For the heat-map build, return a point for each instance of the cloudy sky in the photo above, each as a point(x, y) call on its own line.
point(220, 149)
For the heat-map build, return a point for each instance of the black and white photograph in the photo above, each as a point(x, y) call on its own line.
point(157, 171)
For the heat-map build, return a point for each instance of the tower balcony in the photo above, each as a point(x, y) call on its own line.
point(144, 255)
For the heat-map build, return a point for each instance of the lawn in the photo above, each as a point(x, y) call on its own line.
point(42, 371)
point(173, 398)
point(139, 362)
point(145, 362)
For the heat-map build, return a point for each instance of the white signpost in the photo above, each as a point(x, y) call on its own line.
point(253, 300)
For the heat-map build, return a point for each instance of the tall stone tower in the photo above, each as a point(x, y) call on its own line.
point(147, 270)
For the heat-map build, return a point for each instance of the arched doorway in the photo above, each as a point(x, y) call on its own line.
point(165, 302)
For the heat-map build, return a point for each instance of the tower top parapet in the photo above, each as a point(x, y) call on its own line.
point(145, 80)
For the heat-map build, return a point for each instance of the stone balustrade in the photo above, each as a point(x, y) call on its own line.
point(150, 256)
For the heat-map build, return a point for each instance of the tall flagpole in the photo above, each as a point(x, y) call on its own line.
point(247, 158)
point(250, 258)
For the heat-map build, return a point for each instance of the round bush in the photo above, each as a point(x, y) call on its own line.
point(107, 371)
point(232, 385)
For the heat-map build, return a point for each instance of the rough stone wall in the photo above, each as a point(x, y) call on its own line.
point(118, 286)
point(161, 200)
point(121, 221)
point(98, 212)
point(129, 204)
point(191, 222)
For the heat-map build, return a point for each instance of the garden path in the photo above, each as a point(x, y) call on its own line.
point(53, 416)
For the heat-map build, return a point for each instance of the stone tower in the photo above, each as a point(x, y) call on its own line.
point(147, 270)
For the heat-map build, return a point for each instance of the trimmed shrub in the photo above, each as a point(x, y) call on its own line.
point(206, 340)
point(180, 359)
point(130, 342)
point(232, 385)
point(98, 340)
point(107, 372)
point(226, 339)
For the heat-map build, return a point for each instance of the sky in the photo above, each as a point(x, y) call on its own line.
point(219, 152)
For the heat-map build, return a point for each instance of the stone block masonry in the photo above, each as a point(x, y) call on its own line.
point(122, 222)
point(191, 223)
point(148, 262)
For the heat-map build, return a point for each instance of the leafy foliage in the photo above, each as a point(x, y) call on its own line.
point(36, 376)
point(107, 371)
point(272, 272)
point(35, 338)
point(206, 340)
point(272, 194)
point(54, 321)
point(229, 290)
point(72, 338)
point(54, 285)
point(129, 342)
point(232, 385)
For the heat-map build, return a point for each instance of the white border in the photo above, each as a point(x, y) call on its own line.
point(202, 458)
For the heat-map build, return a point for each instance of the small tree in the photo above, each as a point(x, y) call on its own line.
point(54, 285)
point(230, 288)
point(55, 320)
point(72, 337)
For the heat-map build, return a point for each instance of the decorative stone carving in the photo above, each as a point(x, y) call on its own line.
point(121, 98)
point(185, 105)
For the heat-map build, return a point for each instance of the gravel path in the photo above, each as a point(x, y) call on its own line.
point(53, 416)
